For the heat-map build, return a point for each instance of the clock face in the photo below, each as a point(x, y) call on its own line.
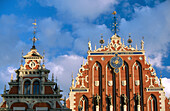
point(32, 64)
point(116, 62)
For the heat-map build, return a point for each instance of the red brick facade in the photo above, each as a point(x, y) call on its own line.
point(134, 87)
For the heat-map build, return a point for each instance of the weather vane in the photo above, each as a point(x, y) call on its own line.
point(34, 39)
point(115, 23)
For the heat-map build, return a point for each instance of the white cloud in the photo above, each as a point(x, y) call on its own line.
point(166, 84)
point(83, 32)
point(50, 32)
point(62, 67)
point(80, 9)
point(153, 24)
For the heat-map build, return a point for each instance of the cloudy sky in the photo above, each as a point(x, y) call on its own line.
point(64, 27)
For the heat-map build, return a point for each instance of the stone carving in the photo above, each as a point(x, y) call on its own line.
point(137, 83)
point(96, 83)
point(97, 100)
point(109, 100)
point(110, 83)
point(124, 99)
point(124, 83)
point(89, 45)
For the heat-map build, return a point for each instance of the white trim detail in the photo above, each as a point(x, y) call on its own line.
point(41, 108)
point(19, 108)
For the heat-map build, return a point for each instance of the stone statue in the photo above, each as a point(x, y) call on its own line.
point(109, 99)
point(138, 99)
point(89, 45)
point(97, 99)
point(125, 99)
point(142, 44)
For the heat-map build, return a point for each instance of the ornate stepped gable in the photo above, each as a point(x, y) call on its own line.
point(32, 90)
point(134, 86)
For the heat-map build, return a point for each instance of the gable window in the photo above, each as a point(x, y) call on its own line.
point(27, 87)
point(36, 87)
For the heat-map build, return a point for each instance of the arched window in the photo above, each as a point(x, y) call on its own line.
point(27, 87)
point(83, 104)
point(152, 103)
point(36, 87)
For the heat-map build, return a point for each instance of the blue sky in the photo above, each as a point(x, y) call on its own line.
point(64, 28)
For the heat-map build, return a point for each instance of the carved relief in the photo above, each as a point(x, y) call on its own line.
point(137, 83)
point(96, 83)
point(110, 83)
point(124, 83)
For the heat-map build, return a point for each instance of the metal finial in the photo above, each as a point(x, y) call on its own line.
point(130, 40)
point(34, 39)
point(101, 41)
point(114, 23)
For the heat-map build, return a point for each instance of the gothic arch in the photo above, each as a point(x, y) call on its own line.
point(152, 103)
point(141, 82)
point(127, 84)
point(83, 102)
point(100, 81)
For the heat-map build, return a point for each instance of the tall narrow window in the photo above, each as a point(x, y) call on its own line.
point(36, 87)
point(83, 104)
point(152, 103)
point(27, 87)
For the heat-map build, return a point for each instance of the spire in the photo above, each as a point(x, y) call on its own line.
point(130, 40)
point(115, 24)
point(142, 43)
point(52, 77)
point(101, 41)
point(136, 47)
point(34, 39)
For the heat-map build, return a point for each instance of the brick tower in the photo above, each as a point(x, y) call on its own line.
point(117, 78)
